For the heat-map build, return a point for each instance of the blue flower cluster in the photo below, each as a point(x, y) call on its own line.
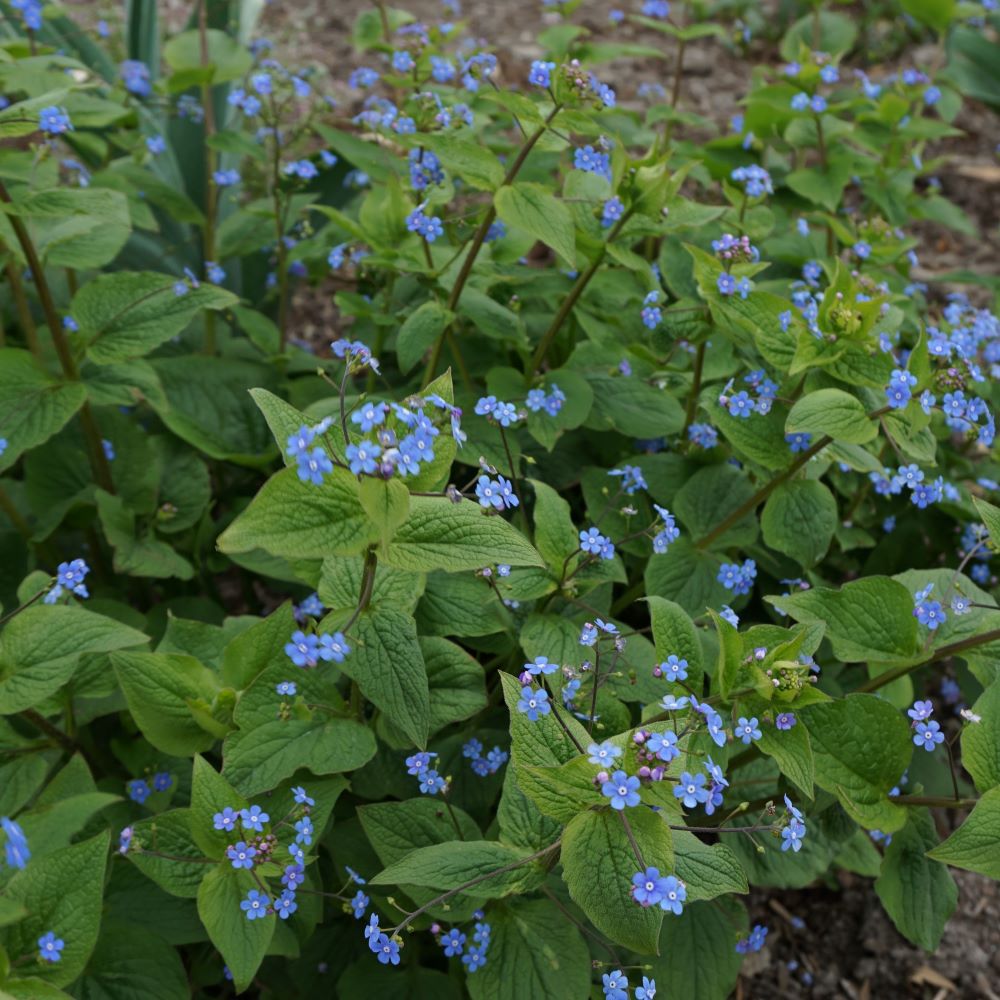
point(419, 765)
point(481, 764)
point(453, 943)
point(738, 577)
point(306, 649)
point(551, 402)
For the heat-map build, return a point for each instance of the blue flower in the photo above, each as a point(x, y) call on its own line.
point(603, 753)
point(664, 745)
point(534, 703)
point(431, 783)
point(674, 895)
point(928, 735)
point(799, 442)
point(241, 855)
point(313, 466)
point(615, 985)
point(674, 669)
point(16, 848)
point(135, 76)
point(285, 904)
point(162, 781)
point(541, 665)
point(784, 721)
point(69, 576)
point(304, 831)
point(255, 905)
point(622, 790)
point(419, 762)
point(226, 820)
point(474, 958)
point(741, 405)
point(333, 647)
point(691, 790)
point(293, 876)
point(540, 74)
point(359, 904)
point(611, 212)
point(254, 818)
point(50, 947)
point(286, 688)
point(897, 392)
point(791, 836)
point(453, 943)
point(747, 730)
point(592, 541)
point(930, 613)
point(303, 650)
point(647, 991)
point(54, 121)
point(138, 790)
point(387, 950)
point(648, 887)
point(754, 940)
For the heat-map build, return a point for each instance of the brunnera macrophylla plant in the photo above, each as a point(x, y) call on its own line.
point(628, 544)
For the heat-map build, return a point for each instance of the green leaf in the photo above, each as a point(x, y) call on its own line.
point(674, 633)
point(33, 405)
point(598, 865)
point(868, 619)
point(243, 943)
point(799, 519)
point(534, 210)
point(40, 649)
point(792, 752)
point(699, 959)
point(981, 740)
point(975, 845)
point(836, 34)
point(127, 314)
point(159, 689)
point(260, 646)
point(440, 534)
point(708, 498)
point(561, 792)
point(917, 892)
point(936, 14)
point(257, 759)
point(458, 604)
point(456, 681)
point(555, 536)
point(449, 865)
point(388, 666)
point(211, 793)
point(419, 332)
point(707, 870)
point(687, 576)
point(207, 405)
point(169, 833)
point(227, 59)
point(990, 516)
point(62, 892)
point(467, 158)
point(396, 829)
point(861, 746)
point(534, 952)
point(386, 502)
point(632, 407)
point(521, 822)
point(130, 963)
point(137, 551)
point(834, 413)
point(294, 519)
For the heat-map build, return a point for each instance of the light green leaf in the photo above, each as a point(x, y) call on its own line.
point(169, 833)
point(708, 498)
point(531, 208)
point(832, 412)
point(449, 865)
point(674, 633)
point(419, 332)
point(598, 865)
point(294, 519)
point(707, 870)
point(534, 952)
point(917, 892)
point(210, 794)
point(40, 648)
point(975, 845)
point(868, 619)
point(456, 681)
point(386, 502)
point(792, 751)
point(388, 666)
point(981, 740)
point(158, 688)
point(126, 314)
point(799, 519)
point(440, 534)
point(62, 892)
point(33, 404)
point(861, 746)
point(243, 943)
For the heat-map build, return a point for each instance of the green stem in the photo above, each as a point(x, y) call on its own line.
point(211, 191)
point(479, 238)
point(933, 801)
point(953, 649)
point(575, 292)
point(692, 403)
point(24, 317)
point(53, 732)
